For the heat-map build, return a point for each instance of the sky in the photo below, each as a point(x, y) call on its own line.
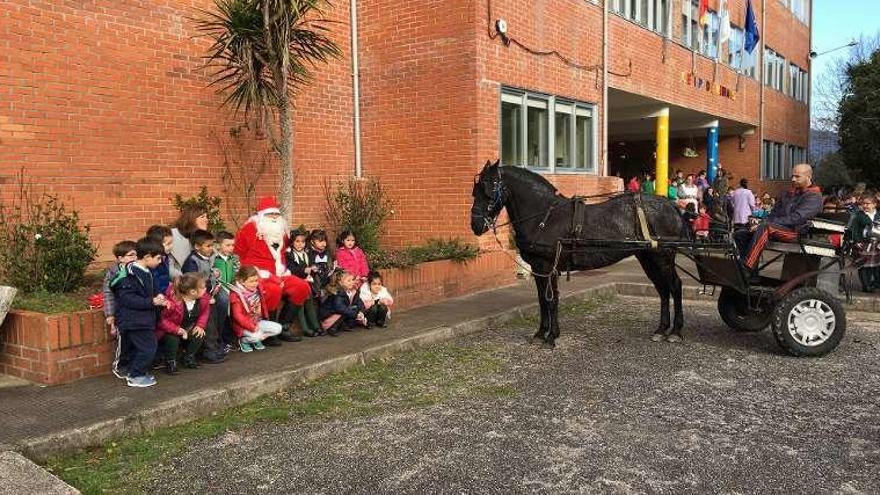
point(836, 23)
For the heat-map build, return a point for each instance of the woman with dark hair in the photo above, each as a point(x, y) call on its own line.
point(191, 219)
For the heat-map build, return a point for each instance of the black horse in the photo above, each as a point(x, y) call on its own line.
point(541, 218)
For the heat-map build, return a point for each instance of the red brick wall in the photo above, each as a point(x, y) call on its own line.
point(105, 104)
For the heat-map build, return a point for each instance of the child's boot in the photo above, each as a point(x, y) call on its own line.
point(171, 367)
point(189, 361)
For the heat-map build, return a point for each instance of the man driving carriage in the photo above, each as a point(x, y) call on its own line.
point(789, 218)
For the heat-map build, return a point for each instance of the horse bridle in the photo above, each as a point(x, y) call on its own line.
point(493, 209)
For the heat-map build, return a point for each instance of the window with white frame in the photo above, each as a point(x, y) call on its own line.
point(706, 40)
point(737, 57)
point(547, 133)
point(774, 69)
point(799, 9)
point(652, 14)
point(773, 166)
point(797, 83)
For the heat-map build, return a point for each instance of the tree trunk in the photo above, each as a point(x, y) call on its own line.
point(285, 190)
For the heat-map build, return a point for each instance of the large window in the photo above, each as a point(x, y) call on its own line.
point(773, 161)
point(798, 79)
point(737, 57)
point(653, 14)
point(796, 155)
point(799, 9)
point(547, 133)
point(774, 69)
point(706, 40)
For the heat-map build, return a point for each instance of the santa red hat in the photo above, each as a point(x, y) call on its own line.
point(267, 205)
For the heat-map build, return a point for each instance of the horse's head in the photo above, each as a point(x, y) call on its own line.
point(490, 196)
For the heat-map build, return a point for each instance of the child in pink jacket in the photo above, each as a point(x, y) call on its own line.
point(183, 320)
point(350, 257)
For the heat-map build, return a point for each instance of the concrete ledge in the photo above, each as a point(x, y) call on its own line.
point(20, 476)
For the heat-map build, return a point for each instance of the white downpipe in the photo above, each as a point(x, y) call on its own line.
point(605, 88)
point(356, 90)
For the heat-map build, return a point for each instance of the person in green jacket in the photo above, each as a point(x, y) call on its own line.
point(648, 184)
point(672, 191)
point(225, 264)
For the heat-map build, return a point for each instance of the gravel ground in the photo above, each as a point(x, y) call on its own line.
point(608, 411)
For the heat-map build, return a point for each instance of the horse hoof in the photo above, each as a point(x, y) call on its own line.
point(548, 345)
point(534, 340)
point(674, 338)
point(657, 337)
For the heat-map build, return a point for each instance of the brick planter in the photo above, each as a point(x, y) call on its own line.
point(61, 348)
point(51, 349)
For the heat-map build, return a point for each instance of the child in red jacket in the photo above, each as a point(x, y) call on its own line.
point(701, 224)
point(183, 319)
point(350, 257)
point(249, 312)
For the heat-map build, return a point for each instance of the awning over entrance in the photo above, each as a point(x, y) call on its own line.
point(640, 130)
point(631, 116)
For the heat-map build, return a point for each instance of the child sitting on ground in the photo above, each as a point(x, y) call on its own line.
point(377, 300)
point(136, 299)
point(225, 263)
point(199, 261)
point(322, 262)
point(344, 310)
point(298, 264)
point(184, 318)
point(249, 313)
point(125, 253)
point(350, 257)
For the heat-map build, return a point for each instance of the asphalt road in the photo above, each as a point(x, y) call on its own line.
point(608, 411)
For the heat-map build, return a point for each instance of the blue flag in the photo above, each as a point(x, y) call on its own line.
point(752, 34)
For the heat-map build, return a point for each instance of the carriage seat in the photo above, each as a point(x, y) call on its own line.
point(818, 240)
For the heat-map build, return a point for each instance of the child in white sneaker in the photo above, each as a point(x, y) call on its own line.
point(249, 313)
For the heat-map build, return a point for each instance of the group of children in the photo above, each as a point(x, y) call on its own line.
point(215, 305)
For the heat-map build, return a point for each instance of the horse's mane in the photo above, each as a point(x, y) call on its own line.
point(532, 177)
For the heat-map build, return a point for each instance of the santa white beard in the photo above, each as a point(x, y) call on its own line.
point(271, 230)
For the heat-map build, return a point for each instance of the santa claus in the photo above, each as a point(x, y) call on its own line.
point(262, 242)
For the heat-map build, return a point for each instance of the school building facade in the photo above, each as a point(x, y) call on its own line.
point(106, 102)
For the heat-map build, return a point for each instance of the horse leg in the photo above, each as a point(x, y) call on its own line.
point(655, 274)
point(541, 334)
point(667, 263)
point(552, 312)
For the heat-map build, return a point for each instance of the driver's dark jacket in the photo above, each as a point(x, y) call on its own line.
point(796, 207)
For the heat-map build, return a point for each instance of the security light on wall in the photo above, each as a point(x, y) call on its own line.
point(743, 136)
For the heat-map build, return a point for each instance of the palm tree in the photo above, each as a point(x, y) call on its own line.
point(262, 51)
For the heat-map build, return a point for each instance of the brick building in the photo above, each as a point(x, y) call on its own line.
point(104, 102)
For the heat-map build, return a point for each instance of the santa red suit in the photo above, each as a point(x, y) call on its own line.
point(262, 242)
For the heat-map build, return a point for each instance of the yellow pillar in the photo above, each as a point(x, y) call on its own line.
point(661, 174)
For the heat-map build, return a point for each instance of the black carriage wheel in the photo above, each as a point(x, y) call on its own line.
point(809, 322)
point(734, 310)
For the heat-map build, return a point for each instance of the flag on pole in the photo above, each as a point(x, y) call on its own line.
point(751, 32)
point(704, 13)
point(724, 19)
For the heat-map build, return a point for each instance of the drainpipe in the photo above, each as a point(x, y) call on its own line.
point(605, 88)
point(356, 90)
point(761, 156)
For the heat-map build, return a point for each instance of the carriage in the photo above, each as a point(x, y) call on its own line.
point(796, 293)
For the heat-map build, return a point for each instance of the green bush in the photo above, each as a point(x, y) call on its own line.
point(360, 206)
point(211, 204)
point(432, 250)
point(43, 247)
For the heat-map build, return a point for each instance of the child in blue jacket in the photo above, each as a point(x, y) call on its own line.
point(136, 298)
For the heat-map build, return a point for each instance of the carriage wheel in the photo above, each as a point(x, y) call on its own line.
point(809, 322)
point(736, 314)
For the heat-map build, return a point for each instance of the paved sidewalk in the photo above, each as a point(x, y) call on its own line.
point(40, 421)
